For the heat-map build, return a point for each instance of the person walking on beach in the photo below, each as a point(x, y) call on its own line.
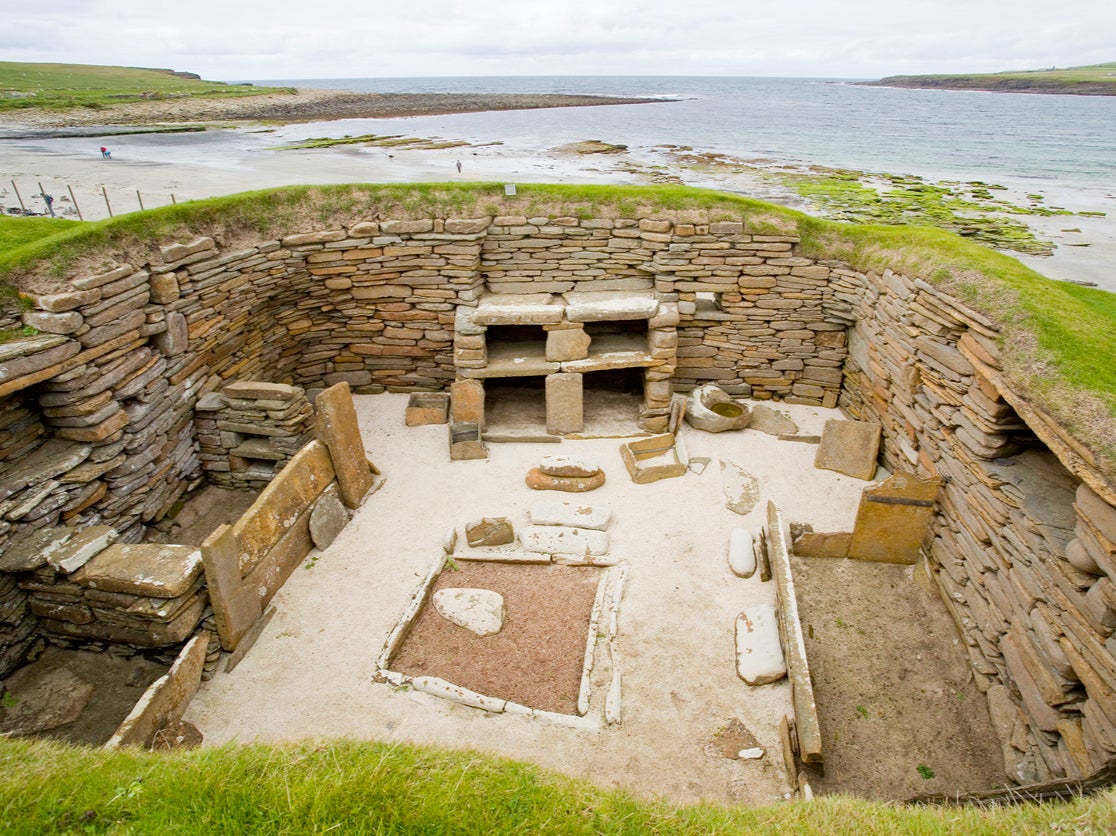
point(105, 153)
point(459, 166)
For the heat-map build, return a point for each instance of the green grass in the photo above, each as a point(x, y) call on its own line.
point(64, 86)
point(374, 788)
point(1093, 79)
point(17, 232)
point(1058, 339)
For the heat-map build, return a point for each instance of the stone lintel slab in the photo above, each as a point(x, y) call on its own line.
point(611, 360)
point(338, 429)
point(517, 309)
point(608, 305)
point(513, 361)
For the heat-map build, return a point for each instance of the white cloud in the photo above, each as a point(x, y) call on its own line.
point(351, 38)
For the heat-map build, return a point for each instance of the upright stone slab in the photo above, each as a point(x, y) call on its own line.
point(893, 519)
point(564, 403)
point(167, 698)
point(566, 344)
point(235, 608)
point(807, 725)
point(849, 447)
point(337, 428)
point(467, 402)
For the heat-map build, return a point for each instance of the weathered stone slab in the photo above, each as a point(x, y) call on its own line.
point(741, 488)
point(176, 338)
point(489, 531)
point(28, 355)
point(140, 632)
point(1099, 513)
point(30, 552)
point(278, 507)
point(573, 514)
point(600, 306)
point(480, 611)
point(467, 402)
point(166, 699)
point(817, 544)
point(759, 656)
point(741, 554)
point(337, 427)
point(53, 323)
point(260, 391)
point(235, 607)
point(53, 458)
point(567, 344)
point(539, 481)
point(549, 539)
point(893, 519)
point(62, 302)
point(771, 421)
point(807, 725)
point(154, 570)
point(567, 465)
point(80, 548)
point(517, 309)
point(849, 447)
point(426, 408)
point(654, 458)
point(564, 403)
point(327, 519)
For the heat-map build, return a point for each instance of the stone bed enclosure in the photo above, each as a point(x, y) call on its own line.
point(108, 417)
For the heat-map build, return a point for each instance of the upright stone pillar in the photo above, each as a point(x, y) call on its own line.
point(564, 403)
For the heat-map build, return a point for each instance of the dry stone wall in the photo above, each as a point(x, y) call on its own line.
point(99, 422)
point(1023, 549)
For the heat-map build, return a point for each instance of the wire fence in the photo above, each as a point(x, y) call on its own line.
point(57, 198)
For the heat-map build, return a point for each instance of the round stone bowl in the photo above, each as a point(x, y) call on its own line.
point(711, 409)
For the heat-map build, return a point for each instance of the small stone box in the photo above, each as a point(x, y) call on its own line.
point(651, 459)
point(465, 441)
point(427, 408)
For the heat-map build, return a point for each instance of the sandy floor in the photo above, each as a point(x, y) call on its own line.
point(311, 672)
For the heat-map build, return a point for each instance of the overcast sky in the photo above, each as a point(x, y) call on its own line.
point(248, 39)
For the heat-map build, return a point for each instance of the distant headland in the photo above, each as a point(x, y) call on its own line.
point(1092, 80)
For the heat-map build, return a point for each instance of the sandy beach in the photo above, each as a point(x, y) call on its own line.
point(241, 149)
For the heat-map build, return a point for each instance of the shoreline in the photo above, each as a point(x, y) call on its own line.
point(152, 169)
point(303, 105)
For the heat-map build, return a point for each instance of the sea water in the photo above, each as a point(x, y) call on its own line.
point(1054, 140)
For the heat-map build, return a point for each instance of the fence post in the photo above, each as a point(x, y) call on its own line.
point(70, 189)
point(19, 198)
point(140, 199)
point(44, 196)
point(107, 204)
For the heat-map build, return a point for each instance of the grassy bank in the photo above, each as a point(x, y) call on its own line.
point(350, 787)
point(1091, 80)
point(1058, 339)
point(65, 86)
